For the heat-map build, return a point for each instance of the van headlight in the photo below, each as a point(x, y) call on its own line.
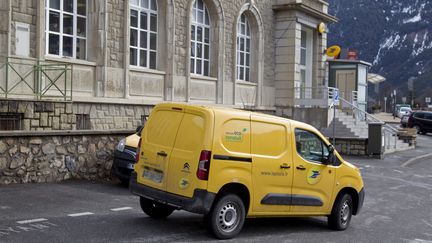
point(121, 145)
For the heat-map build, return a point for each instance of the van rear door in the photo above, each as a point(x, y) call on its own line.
point(156, 145)
point(194, 137)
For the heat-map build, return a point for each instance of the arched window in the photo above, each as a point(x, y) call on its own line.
point(243, 49)
point(200, 39)
point(143, 33)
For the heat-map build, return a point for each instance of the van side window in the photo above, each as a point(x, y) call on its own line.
point(310, 147)
point(268, 139)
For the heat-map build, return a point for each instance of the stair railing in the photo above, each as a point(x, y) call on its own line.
point(390, 133)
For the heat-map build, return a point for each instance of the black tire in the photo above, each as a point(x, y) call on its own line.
point(154, 209)
point(226, 218)
point(341, 213)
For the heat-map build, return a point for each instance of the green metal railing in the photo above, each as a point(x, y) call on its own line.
point(22, 77)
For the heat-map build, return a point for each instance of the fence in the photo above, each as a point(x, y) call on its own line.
point(30, 78)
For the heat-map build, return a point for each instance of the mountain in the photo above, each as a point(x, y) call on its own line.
point(394, 35)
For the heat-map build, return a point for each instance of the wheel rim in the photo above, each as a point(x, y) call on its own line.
point(417, 128)
point(345, 213)
point(228, 217)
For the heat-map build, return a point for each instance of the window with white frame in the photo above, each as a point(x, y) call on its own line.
point(66, 28)
point(305, 83)
point(243, 49)
point(200, 39)
point(143, 33)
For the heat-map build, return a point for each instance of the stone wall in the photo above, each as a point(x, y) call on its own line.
point(115, 37)
point(54, 156)
point(44, 115)
point(24, 12)
point(351, 146)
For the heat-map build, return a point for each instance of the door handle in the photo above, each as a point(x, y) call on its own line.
point(162, 153)
point(300, 167)
point(285, 166)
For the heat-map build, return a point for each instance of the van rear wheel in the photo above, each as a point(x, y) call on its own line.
point(226, 218)
point(154, 209)
point(341, 213)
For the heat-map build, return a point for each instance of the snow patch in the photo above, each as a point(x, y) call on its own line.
point(388, 44)
point(414, 19)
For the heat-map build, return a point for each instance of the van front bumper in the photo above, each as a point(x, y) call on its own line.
point(360, 201)
point(200, 203)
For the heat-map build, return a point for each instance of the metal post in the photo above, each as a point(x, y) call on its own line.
point(334, 123)
point(7, 76)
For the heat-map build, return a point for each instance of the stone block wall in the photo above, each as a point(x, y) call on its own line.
point(47, 115)
point(53, 157)
point(351, 146)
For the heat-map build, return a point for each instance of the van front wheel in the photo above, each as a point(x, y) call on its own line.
point(154, 209)
point(341, 213)
point(227, 217)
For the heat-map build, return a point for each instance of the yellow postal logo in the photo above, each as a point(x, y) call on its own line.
point(314, 175)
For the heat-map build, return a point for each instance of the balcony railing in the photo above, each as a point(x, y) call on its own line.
point(30, 78)
point(311, 97)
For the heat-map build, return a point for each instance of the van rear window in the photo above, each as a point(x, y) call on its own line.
point(163, 126)
point(191, 133)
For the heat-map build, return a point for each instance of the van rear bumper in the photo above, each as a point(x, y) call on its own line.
point(200, 203)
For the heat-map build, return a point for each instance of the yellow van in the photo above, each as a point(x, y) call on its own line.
point(230, 164)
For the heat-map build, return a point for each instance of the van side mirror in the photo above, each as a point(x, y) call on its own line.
point(329, 159)
point(331, 148)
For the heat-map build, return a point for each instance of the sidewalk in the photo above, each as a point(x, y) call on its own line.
point(387, 117)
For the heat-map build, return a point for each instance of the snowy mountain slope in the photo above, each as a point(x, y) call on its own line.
point(394, 35)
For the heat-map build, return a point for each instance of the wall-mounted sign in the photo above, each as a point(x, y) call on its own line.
point(333, 52)
point(321, 28)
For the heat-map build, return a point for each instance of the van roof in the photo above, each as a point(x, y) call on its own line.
point(221, 108)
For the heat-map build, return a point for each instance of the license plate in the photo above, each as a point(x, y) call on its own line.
point(153, 175)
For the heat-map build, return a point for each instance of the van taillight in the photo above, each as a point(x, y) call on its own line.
point(204, 165)
point(137, 156)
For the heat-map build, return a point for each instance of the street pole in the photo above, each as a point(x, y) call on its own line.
point(385, 104)
point(334, 123)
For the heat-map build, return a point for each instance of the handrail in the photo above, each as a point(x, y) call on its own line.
point(369, 116)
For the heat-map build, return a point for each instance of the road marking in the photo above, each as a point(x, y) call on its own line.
point(410, 161)
point(31, 221)
point(120, 209)
point(80, 214)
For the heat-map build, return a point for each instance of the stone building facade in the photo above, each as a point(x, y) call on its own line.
point(82, 57)
point(67, 66)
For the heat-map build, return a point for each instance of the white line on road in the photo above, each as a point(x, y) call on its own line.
point(120, 209)
point(80, 214)
point(409, 162)
point(31, 221)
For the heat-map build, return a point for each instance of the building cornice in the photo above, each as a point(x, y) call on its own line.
point(306, 9)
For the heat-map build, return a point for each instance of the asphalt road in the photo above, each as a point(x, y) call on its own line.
point(398, 208)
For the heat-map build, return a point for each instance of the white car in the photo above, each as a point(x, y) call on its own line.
point(404, 111)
